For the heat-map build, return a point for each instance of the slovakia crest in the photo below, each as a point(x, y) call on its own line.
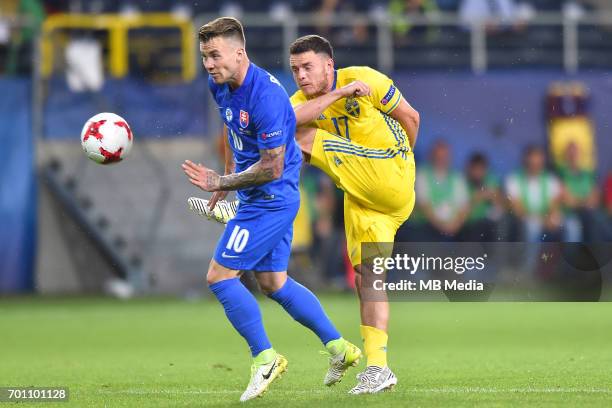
point(244, 118)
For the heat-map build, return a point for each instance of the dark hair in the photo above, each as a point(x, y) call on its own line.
point(315, 43)
point(478, 159)
point(227, 27)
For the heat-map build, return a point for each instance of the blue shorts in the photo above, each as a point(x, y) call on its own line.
point(258, 238)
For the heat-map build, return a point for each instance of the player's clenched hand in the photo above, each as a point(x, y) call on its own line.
point(201, 176)
point(355, 88)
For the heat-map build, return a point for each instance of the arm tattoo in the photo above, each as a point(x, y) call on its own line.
point(269, 167)
point(230, 167)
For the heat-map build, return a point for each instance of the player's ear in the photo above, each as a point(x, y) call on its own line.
point(240, 54)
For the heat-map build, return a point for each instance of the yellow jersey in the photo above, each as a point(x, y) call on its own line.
point(364, 120)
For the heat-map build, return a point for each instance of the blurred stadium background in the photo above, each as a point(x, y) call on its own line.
point(504, 88)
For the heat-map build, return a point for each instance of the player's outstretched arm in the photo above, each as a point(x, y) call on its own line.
point(269, 167)
point(311, 110)
point(409, 118)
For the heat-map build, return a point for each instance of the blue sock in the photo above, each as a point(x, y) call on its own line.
point(243, 312)
point(304, 307)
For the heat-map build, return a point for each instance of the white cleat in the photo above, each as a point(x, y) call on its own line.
point(222, 213)
point(374, 379)
point(340, 363)
point(262, 376)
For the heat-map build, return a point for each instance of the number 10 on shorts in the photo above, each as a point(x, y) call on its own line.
point(238, 240)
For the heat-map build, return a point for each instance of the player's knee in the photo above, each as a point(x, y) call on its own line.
point(217, 273)
point(212, 277)
point(270, 282)
point(269, 287)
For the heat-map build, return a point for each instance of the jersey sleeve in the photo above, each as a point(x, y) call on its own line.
point(384, 94)
point(271, 119)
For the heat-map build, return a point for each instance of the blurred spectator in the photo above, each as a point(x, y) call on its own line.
point(441, 195)
point(608, 194)
point(301, 265)
point(8, 11)
point(580, 198)
point(566, 100)
point(491, 12)
point(497, 15)
point(485, 202)
point(280, 11)
point(535, 196)
point(599, 7)
point(328, 229)
point(355, 34)
point(326, 15)
point(608, 206)
point(400, 9)
point(567, 111)
point(29, 14)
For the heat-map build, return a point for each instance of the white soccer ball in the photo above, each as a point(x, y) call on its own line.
point(107, 138)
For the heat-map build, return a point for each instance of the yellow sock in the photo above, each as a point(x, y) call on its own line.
point(375, 345)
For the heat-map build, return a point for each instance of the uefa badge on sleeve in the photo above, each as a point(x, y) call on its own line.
point(244, 118)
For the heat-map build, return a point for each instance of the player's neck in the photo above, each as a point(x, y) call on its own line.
point(330, 82)
point(241, 74)
point(533, 172)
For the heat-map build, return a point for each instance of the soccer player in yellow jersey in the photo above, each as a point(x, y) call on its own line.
point(356, 126)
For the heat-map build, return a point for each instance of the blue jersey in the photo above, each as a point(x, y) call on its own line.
point(259, 116)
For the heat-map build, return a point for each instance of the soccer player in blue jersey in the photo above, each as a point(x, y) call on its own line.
point(263, 166)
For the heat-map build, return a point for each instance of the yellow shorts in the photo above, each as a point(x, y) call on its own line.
point(378, 187)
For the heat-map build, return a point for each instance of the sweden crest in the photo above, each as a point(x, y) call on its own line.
point(352, 107)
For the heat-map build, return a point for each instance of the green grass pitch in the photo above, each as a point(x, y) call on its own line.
point(173, 353)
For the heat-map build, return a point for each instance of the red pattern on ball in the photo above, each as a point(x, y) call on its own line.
point(126, 127)
point(110, 157)
point(94, 130)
